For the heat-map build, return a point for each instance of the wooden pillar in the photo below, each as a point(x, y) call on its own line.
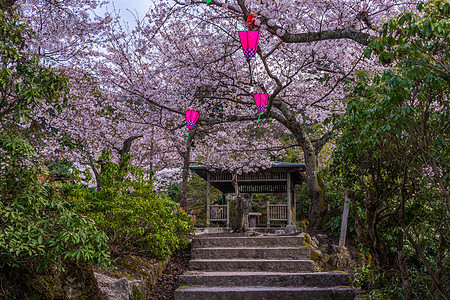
point(228, 213)
point(268, 214)
point(208, 199)
point(295, 205)
point(289, 200)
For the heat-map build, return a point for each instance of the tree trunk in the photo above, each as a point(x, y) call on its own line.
point(123, 164)
point(315, 192)
point(239, 225)
point(185, 175)
point(94, 169)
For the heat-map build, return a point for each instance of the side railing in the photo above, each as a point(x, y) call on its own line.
point(276, 212)
point(220, 213)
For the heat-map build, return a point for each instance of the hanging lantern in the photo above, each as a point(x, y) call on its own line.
point(261, 101)
point(249, 41)
point(191, 118)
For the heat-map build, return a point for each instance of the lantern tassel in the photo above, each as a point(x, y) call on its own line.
point(188, 135)
point(258, 118)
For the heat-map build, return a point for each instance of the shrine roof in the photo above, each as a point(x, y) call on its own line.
point(271, 179)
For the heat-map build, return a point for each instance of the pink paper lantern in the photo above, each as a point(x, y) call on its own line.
point(249, 41)
point(261, 102)
point(191, 118)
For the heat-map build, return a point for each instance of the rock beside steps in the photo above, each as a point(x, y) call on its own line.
point(257, 268)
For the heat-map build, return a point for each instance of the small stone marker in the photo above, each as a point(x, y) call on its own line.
point(315, 240)
point(290, 229)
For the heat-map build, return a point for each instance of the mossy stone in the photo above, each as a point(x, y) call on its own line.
point(137, 294)
point(77, 281)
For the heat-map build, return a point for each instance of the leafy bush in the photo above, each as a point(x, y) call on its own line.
point(35, 222)
point(393, 155)
point(24, 81)
point(136, 219)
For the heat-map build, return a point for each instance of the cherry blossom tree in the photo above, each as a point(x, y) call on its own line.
point(308, 52)
point(71, 38)
point(133, 85)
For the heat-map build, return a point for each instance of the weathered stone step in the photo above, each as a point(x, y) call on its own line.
point(264, 293)
point(251, 253)
point(210, 279)
point(260, 241)
point(251, 265)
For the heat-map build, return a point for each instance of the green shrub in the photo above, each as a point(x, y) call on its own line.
point(36, 224)
point(136, 219)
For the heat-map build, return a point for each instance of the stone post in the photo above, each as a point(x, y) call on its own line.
point(344, 220)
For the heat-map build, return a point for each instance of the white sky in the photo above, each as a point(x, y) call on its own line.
point(127, 8)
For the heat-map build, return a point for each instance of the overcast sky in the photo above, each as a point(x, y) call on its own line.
point(125, 6)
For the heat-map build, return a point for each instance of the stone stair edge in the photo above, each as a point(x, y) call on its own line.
point(269, 279)
point(236, 273)
point(246, 247)
point(265, 288)
point(250, 260)
point(249, 237)
point(262, 292)
point(258, 275)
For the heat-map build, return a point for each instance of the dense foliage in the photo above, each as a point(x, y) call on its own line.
point(394, 155)
point(36, 225)
point(25, 83)
point(136, 219)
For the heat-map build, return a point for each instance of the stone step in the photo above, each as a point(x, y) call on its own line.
point(260, 241)
point(251, 253)
point(210, 279)
point(251, 265)
point(264, 293)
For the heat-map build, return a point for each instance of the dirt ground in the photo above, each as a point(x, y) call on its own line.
point(167, 283)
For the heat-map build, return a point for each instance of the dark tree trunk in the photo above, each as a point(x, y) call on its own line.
point(185, 173)
point(315, 192)
point(126, 147)
point(185, 177)
point(401, 261)
point(239, 224)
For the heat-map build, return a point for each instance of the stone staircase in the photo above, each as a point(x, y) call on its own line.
point(257, 268)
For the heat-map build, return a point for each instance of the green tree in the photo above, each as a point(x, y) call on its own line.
point(394, 155)
point(24, 81)
point(36, 225)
